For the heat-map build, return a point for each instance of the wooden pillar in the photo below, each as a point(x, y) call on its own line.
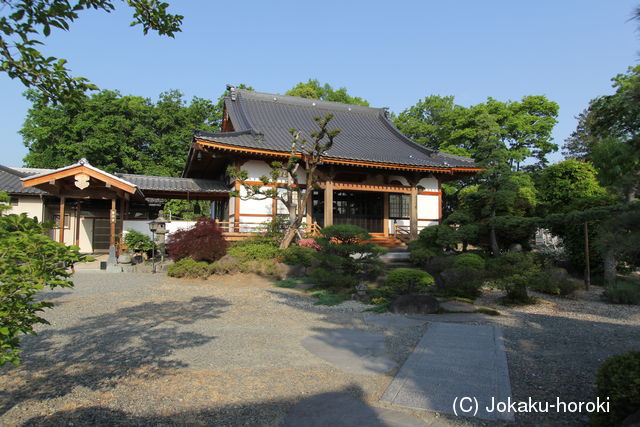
point(385, 213)
point(309, 210)
point(413, 212)
point(77, 225)
point(328, 203)
point(274, 205)
point(61, 221)
point(112, 224)
point(236, 210)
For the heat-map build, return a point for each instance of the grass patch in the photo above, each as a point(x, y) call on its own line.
point(459, 299)
point(379, 308)
point(291, 283)
point(488, 311)
point(325, 297)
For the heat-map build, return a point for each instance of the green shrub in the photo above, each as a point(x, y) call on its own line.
point(460, 282)
point(254, 250)
point(469, 260)
point(543, 282)
point(263, 267)
point(295, 255)
point(438, 264)
point(188, 267)
point(325, 297)
point(345, 233)
point(421, 256)
point(407, 281)
point(137, 241)
point(618, 379)
point(623, 292)
point(514, 272)
point(344, 260)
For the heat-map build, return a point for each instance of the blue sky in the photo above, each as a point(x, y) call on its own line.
point(390, 53)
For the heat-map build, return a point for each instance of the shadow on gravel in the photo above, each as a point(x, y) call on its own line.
point(96, 353)
point(338, 408)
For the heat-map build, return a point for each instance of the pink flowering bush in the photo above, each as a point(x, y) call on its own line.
point(309, 243)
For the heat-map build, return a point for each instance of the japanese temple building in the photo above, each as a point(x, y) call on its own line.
point(372, 176)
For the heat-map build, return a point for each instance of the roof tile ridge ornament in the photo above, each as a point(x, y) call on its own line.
point(83, 161)
point(232, 92)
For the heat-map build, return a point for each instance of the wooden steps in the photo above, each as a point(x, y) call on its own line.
point(389, 242)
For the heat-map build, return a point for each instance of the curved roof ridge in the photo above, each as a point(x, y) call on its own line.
point(310, 102)
point(404, 138)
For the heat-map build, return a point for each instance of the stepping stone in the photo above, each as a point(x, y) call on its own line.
point(351, 350)
point(451, 362)
point(343, 409)
point(394, 321)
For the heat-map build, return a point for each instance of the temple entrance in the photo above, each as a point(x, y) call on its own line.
point(361, 208)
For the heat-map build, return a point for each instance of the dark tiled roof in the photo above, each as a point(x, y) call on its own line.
point(10, 181)
point(262, 121)
point(165, 183)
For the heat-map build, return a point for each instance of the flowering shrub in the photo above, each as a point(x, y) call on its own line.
point(309, 243)
point(202, 242)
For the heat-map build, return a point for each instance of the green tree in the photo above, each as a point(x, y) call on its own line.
point(24, 24)
point(117, 133)
point(608, 134)
point(314, 90)
point(29, 262)
point(282, 184)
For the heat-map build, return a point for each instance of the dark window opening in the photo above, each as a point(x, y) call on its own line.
point(399, 206)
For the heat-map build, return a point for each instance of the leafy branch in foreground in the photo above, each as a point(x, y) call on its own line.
point(29, 262)
point(24, 21)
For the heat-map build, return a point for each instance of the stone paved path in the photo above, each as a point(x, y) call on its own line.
point(454, 361)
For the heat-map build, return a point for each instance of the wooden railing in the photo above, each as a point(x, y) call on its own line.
point(402, 232)
point(257, 227)
point(313, 229)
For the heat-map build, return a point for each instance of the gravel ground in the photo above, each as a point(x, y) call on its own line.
point(141, 349)
point(554, 348)
point(145, 349)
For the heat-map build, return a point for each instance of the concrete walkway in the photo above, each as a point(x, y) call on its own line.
point(451, 362)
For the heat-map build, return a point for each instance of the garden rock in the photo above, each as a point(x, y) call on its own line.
point(414, 304)
point(516, 247)
point(124, 259)
point(227, 260)
point(292, 271)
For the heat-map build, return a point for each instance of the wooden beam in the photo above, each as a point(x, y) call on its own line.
point(53, 176)
point(61, 221)
point(336, 161)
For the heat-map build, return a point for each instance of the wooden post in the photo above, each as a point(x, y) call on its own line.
point(413, 212)
point(309, 210)
point(587, 267)
point(61, 222)
point(236, 210)
point(328, 203)
point(112, 224)
point(385, 213)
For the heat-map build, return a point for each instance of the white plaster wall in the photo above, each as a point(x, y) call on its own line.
point(429, 184)
point(142, 226)
point(32, 206)
point(258, 168)
point(398, 178)
point(423, 224)
point(428, 207)
point(255, 206)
